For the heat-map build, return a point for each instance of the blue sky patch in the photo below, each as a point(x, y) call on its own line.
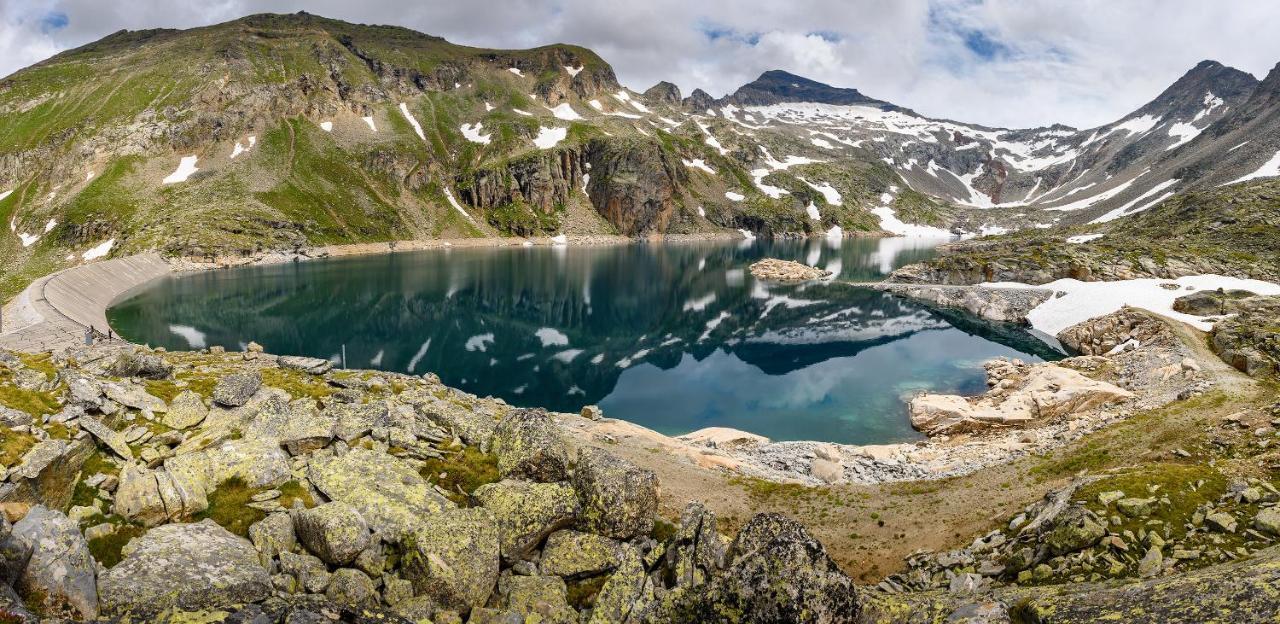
point(53, 21)
point(982, 46)
point(716, 32)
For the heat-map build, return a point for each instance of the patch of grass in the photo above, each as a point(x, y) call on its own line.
point(199, 383)
point(32, 402)
point(106, 549)
point(83, 496)
point(663, 530)
point(163, 389)
point(58, 431)
point(293, 491)
point(229, 506)
point(299, 385)
point(99, 463)
point(581, 594)
point(41, 363)
point(467, 470)
point(13, 445)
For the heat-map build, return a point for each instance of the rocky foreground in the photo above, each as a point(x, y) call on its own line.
point(244, 487)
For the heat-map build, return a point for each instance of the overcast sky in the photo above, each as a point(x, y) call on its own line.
point(1015, 63)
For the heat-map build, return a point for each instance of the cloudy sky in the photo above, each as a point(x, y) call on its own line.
point(1000, 62)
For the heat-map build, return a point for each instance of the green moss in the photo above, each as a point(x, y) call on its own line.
point(99, 463)
point(106, 549)
point(298, 384)
point(229, 506)
point(663, 530)
point(468, 470)
point(83, 496)
point(163, 389)
point(33, 402)
point(294, 491)
point(58, 431)
point(13, 445)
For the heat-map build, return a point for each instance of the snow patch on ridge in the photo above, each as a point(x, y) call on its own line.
point(548, 137)
point(186, 167)
point(404, 110)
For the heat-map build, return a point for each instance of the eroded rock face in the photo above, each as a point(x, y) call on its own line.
point(188, 566)
point(454, 559)
point(618, 498)
point(392, 498)
point(136, 364)
point(1250, 341)
point(529, 445)
point(1020, 394)
point(527, 513)
point(59, 577)
point(776, 572)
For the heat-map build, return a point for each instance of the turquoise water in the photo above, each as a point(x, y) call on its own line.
point(675, 337)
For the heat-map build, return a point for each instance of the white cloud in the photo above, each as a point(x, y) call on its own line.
point(1082, 63)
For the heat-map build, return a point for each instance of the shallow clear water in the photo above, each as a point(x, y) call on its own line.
point(674, 336)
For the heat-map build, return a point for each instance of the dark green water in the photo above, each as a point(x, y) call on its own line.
point(675, 337)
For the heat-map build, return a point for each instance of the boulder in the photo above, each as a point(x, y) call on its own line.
point(537, 598)
point(1075, 529)
point(1136, 507)
point(48, 472)
point(529, 445)
point(335, 532)
point(306, 429)
point(114, 440)
point(352, 589)
point(135, 397)
point(774, 270)
point(618, 498)
point(271, 536)
point(314, 366)
point(11, 418)
point(1020, 394)
point(527, 513)
point(627, 591)
point(187, 410)
point(187, 566)
point(573, 555)
point(454, 558)
point(259, 462)
point(697, 550)
point(351, 421)
point(777, 572)
point(472, 420)
point(235, 390)
point(135, 364)
point(389, 494)
point(309, 571)
point(1268, 521)
point(59, 578)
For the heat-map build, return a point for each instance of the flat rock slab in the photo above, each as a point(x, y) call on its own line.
point(315, 366)
point(774, 270)
point(393, 498)
point(187, 566)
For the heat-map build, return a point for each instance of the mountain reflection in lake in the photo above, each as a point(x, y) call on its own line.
point(675, 337)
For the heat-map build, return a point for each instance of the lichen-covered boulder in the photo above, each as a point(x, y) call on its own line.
point(335, 532)
point(573, 554)
point(1075, 529)
point(235, 390)
point(307, 428)
point(619, 499)
point(354, 420)
point(152, 497)
point(273, 535)
point(777, 572)
point(314, 366)
point(308, 570)
point(537, 598)
point(454, 558)
point(1268, 521)
point(351, 588)
point(48, 472)
point(697, 550)
point(135, 364)
point(188, 566)
point(259, 462)
point(529, 445)
point(186, 410)
point(389, 494)
point(134, 396)
point(59, 578)
point(527, 513)
point(627, 591)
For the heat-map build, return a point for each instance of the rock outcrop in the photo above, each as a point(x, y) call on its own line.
point(774, 270)
point(1020, 394)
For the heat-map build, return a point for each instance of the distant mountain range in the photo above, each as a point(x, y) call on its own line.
point(282, 131)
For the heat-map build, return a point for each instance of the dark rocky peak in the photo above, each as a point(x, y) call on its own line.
point(1263, 104)
point(1189, 96)
point(663, 93)
point(699, 101)
point(775, 86)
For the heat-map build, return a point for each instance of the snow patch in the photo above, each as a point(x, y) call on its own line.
point(700, 303)
point(698, 163)
point(327, 126)
point(565, 112)
point(732, 196)
point(829, 192)
point(372, 128)
point(548, 137)
point(812, 211)
point(417, 128)
point(1183, 132)
point(185, 168)
point(473, 133)
point(515, 70)
point(1270, 169)
point(100, 251)
point(574, 71)
point(521, 112)
point(559, 240)
point(1125, 210)
point(28, 239)
point(551, 337)
point(479, 342)
point(1086, 300)
point(1083, 238)
point(448, 194)
point(48, 226)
